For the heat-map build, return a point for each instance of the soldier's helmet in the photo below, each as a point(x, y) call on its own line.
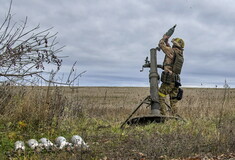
point(178, 42)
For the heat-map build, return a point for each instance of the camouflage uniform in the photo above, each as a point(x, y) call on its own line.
point(168, 88)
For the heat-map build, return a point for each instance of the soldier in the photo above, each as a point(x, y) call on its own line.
point(170, 78)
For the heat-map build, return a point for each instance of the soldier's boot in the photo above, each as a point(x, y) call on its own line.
point(162, 104)
point(174, 109)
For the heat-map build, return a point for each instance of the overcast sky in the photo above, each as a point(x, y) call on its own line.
point(111, 38)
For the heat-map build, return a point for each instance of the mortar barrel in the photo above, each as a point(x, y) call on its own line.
point(153, 80)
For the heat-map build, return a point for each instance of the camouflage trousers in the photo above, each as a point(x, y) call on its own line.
point(164, 90)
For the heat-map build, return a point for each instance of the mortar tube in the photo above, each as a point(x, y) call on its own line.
point(153, 80)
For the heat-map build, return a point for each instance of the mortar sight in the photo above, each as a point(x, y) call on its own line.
point(146, 65)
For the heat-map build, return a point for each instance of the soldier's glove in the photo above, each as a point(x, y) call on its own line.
point(177, 84)
point(166, 38)
point(180, 94)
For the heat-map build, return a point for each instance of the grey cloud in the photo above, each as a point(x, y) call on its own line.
point(110, 39)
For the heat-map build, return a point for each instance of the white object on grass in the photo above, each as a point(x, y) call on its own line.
point(61, 142)
point(33, 144)
point(19, 145)
point(77, 141)
point(46, 143)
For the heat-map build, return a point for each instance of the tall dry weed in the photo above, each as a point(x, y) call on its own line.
point(37, 106)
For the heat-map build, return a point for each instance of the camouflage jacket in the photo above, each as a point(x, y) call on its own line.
point(169, 54)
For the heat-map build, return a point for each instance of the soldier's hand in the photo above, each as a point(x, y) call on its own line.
point(166, 37)
point(167, 44)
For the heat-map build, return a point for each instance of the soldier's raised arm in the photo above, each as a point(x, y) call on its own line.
point(165, 47)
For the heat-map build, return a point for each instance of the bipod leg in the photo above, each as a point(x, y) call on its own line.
point(144, 101)
point(177, 115)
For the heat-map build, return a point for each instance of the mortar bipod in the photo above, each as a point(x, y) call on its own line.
point(147, 100)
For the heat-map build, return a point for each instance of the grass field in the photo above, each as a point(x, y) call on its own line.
point(96, 113)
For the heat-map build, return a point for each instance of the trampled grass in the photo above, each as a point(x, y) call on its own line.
point(96, 113)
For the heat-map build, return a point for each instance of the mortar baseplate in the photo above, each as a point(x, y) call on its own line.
point(147, 119)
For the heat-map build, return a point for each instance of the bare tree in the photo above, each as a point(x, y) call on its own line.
point(24, 53)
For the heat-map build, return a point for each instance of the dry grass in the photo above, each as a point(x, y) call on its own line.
point(97, 112)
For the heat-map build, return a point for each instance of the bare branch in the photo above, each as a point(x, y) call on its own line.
point(20, 75)
point(25, 52)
